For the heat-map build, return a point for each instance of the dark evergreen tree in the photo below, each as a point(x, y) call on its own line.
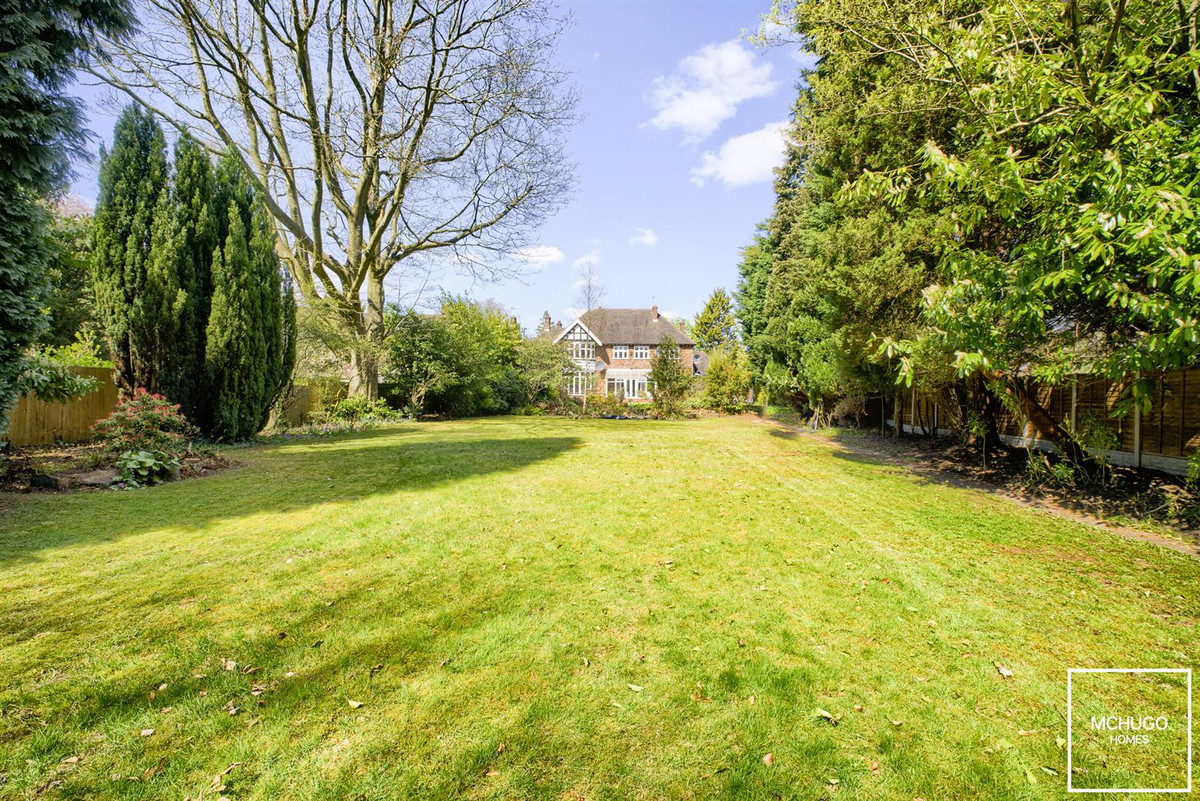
point(250, 347)
point(195, 224)
point(41, 42)
point(132, 261)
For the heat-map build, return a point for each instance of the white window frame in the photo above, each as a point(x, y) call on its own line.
point(641, 351)
point(628, 387)
point(582, 350)
point(620, 351)
point(580, 382)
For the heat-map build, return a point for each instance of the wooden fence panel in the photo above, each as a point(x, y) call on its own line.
point(36, 422)
point(297, 405)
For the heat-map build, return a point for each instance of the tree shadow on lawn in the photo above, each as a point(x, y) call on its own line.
point(281, 479)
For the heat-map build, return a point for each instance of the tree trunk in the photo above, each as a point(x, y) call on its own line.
point(365, 359)
point(1042, 420)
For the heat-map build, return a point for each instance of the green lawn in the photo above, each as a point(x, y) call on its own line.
point(543, 608)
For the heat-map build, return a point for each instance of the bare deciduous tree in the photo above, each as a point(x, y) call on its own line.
point(591, 288)
point(382, 132)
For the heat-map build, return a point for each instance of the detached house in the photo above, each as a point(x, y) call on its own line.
point(612, 349)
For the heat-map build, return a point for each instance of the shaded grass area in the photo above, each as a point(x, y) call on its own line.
point(540, 608)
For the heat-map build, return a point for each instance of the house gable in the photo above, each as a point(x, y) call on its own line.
point(577, 332)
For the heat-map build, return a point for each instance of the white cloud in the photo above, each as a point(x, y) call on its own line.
point(539, 256)
point(746, 159)
point(707, 86)
point(589, 259)
point(644, 236)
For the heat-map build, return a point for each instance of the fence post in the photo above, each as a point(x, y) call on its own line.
point(1137, 436)
point(1074, 401)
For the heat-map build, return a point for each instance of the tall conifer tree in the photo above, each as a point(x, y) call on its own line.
point(130, 288)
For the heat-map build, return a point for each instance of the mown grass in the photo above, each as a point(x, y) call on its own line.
point(539, 608)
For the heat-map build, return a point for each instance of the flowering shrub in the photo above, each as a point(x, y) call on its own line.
point(145, 422)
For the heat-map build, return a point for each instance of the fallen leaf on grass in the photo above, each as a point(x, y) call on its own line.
point(354, 704)
point(1050, 771)
point(769, 759)
point(1060, 742)
point(858, 708)
point(750, 700)
point(896, 722)
point(71, 760)
point(375, 669)
point(822, 713)
point(874, 766)
point(147, 732)
point(1003, 671)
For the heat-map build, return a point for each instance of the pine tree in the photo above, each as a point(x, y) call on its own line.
point(132, 276)
point(41, 42)
point(715, 325)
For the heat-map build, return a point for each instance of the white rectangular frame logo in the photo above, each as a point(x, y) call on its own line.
point(1072, 671)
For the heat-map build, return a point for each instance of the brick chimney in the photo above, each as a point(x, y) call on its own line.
point(654, 312)
point(682, 327)
point(545, 321)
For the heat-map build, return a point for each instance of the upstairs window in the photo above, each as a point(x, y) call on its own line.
point(641, 351)
point(582, 350)
point(620, 351)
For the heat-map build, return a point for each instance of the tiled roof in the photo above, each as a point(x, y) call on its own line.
point(630, 327)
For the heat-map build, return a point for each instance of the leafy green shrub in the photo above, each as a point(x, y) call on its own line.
point(727, 381)
point(145, 468)
point(605, 406)
point(145, 422)
point(1097, 436)
point(1193, 473)
point(976, 428)
point(85, 351)
point(669, 379)
point(357, 409)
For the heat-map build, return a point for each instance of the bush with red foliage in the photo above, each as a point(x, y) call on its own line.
point(145, 422)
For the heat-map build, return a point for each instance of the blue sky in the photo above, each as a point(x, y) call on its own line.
point(680, 129)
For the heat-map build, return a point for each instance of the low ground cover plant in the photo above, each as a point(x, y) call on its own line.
point(145, 468)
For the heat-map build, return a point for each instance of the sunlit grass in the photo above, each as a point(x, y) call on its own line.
point(540, 608)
